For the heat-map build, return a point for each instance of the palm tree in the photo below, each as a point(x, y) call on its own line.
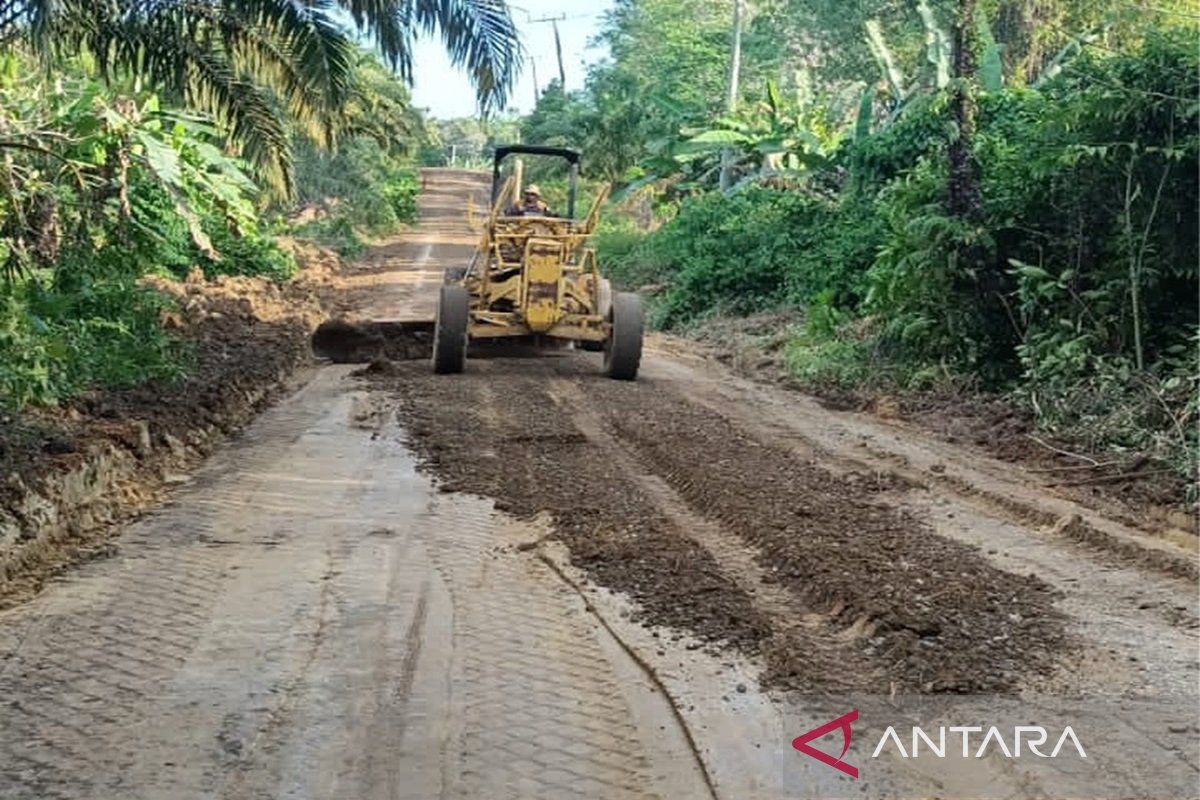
point(253, 63)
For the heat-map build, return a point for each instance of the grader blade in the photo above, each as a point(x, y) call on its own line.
point(363, 341)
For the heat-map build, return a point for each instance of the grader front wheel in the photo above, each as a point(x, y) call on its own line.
point(450, 330)
point(623, 351)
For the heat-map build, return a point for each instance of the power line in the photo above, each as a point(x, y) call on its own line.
point(562, 71)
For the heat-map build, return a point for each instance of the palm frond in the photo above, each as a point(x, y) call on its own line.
point(479, 35)
point(250, 62)
point(307, 62)
point(245, 62)
point(247, 112)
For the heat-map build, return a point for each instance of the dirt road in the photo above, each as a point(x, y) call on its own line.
point(528, 581)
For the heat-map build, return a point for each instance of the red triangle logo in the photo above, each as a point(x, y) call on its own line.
point(801, 743)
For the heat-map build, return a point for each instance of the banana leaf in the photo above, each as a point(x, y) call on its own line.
point(883, 55)
point(862, 128)
point(937, 45)
point(991, 68)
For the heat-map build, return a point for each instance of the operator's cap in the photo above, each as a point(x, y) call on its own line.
point(533, 189)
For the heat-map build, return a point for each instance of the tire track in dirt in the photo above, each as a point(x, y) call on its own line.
point(540, 713)
point(78, 675)
point(663, 500)
point(495, 433)
point(807, 642)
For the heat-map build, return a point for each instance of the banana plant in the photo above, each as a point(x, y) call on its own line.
point(937, 46)
point(770, 138)
point(991, 67)
point(935, 69)
point(937, 59)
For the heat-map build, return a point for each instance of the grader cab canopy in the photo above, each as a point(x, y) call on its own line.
point(572, 157)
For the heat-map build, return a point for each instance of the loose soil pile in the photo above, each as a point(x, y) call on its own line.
point(924, 613)
point(934, 610)
point(344, 341)
point(508, 440)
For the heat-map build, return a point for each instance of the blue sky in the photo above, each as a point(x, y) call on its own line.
point(447, 92)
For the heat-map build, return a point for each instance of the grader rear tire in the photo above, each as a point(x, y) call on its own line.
point(450, 330)
point(623, 351)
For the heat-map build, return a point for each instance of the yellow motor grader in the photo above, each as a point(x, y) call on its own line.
point(534, 278)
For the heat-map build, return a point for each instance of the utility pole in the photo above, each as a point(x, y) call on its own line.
point(562, 72)
point(735, 76)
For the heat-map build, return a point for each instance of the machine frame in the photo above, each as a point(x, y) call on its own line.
point(534, 277)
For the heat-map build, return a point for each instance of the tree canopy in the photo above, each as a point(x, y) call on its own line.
point(255, 64)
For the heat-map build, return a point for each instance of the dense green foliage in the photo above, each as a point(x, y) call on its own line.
point(367, 186)
point(360, 191)
point(98, 191)
point(1073, 285)
point(668, 66)
point(109, 174)
point(467, 143)
point(258, 67)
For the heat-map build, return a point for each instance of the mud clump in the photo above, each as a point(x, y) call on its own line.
point(345, 342)
point(380, 367)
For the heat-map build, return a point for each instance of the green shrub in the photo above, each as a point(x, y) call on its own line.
point(102, 191)
point(830, 362)
point(337, 233)
point(247, 254)
point(617, 240)
point(749, 252)
point(1073, 285)
point(27, 354)
point(55, 344)
point(361, 183)
point(401, 189)
point(726, 253)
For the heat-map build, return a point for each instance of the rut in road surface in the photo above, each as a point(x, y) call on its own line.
point(655, 496)
point(307, 618)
